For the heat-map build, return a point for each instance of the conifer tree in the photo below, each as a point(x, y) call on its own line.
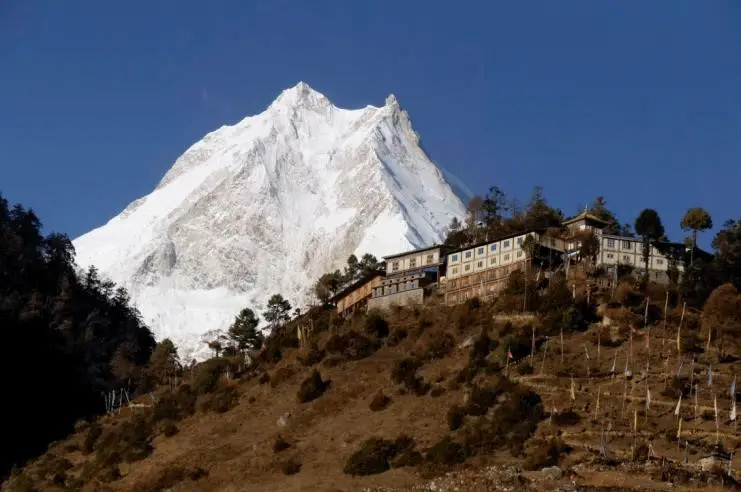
point(243, 331)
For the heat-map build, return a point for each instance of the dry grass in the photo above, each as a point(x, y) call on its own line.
point(381, 373)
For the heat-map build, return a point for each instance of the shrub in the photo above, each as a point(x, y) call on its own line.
point(372, 458)
point(264, 378)
point(290, 467)
point(525, 369)
point(440, 346)
point(280, 444)
point(281, 375)
point(208, 374)
point(481, 347)
point(92, 435)
point(544, 453)
point(446, 452)
point(404, 453)
point(313, 356)
point(404, 370)
point(481, 400)
point(566, 419)
point(169, 429)
point(174, 405)
point(352, 345)
point(376, 325)
point(312, 387)
point(456, 415)
point(379, 402)
point(396, 337)
point(220, 401)
point(677, 386)
point(437, 391)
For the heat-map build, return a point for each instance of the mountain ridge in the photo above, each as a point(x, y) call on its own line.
point(267, 205)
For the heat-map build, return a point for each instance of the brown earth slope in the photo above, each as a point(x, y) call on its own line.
point(446, 408)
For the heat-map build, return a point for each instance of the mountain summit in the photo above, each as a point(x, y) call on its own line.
point(266, 206)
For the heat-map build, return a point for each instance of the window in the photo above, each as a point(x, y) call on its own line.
point(454, 258)
point(519, 241)
point(519, 254)
point(506, 257)
point(493, 248)
point(468, 254)
point(493, 260)
point(610, 243)
point(626, 258)
point(480, 264)
point(481, 251)
point(659, 261)
point(626, 244)
point(467, 267)
point(455, 271)
point(395, 266)
point(430, 259)
point(505, 244)
point(610, 256)
point(412, 262)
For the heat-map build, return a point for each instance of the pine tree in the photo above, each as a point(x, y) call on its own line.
point(277, 311)
point(243, 331)
point(648, 226)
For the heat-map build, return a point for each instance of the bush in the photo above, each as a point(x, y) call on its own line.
point(290, 467)
point(396, 337)
point(405, 371)
point(280, 444)
point(174, 405)
point(352, 345)
point(312, 387)
point(565, 419)
point(481, 400)
point(525, 369)
point(92, 435)
point(220, 401)
point(437, 391)
point(313, 356)
point(372, 458)
point(456, 415)
point(446, 452)
point(169, 429)
point(376, 325)
point(404, 453)
point(379, 402)
point(440, 346)
point(264, 378)
point(333, 361)
point(281, 375)
point(208, 374)
point(545, 453)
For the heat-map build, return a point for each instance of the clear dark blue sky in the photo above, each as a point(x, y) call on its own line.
point(638, 101)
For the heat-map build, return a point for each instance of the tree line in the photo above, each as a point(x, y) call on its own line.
point(68, 337)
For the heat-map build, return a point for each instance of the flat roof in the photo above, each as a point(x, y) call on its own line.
point(495, 240)
point(410, 252)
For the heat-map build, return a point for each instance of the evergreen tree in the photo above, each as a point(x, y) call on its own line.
point(243, 331)
point(277, 311)
point(648, 226)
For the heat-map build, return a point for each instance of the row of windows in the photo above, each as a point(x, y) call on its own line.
point(393, 289)
point(493, 261)
point(481, 250)
point(624, 244)
point(628, 258)
point(396, 265)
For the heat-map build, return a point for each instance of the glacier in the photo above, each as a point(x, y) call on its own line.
point(266, 206)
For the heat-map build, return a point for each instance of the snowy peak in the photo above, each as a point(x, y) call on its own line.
point(268, 205)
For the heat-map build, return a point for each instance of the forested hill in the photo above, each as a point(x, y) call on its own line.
point(66, 338)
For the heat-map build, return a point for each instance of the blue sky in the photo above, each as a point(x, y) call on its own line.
point(636, 101)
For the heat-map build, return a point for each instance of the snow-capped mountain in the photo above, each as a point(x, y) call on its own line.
point(268, 205)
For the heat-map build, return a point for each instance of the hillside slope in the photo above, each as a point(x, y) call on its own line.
point(435, 386)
